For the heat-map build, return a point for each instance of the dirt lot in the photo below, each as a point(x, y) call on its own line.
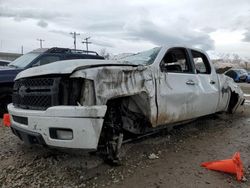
point(180, 153)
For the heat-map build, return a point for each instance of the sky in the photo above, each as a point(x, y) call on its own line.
point(126, 26)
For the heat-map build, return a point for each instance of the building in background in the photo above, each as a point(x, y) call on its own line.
point(9, 56)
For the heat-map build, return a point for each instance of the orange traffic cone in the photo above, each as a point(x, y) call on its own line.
point(232, 166)
point(6, 120)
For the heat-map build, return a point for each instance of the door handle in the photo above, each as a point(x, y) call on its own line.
point(212, 82)
point(190, 82)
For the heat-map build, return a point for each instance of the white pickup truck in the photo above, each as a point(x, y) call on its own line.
point(92, 104)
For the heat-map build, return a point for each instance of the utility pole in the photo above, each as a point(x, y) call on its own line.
point(74, 34)
point(41, 42)
point(22, 49)
point(87, 43)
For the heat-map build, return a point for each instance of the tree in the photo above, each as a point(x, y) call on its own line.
point(246, 63)
point(104, 53)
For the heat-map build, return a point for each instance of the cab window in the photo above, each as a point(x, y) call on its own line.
point(201, 62)
point(46, 59)
point(176, 60)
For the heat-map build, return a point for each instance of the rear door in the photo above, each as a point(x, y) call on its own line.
point(208, 83)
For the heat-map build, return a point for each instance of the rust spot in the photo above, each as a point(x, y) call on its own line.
point(153, 121)
point(163, 118)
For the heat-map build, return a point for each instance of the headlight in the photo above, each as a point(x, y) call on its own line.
point(87, 97)
point(77, 91)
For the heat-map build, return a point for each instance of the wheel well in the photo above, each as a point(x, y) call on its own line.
point(134, 112)
point(125, 117)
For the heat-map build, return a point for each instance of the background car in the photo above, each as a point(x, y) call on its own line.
point(4, 62)
point(248, 78)
point(238, 75)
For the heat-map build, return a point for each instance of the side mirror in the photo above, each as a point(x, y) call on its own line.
point(141, 68)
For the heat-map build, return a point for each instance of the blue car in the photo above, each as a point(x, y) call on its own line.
point(248, 78)
point(238, 75)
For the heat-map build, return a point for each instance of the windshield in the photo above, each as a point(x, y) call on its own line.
point(141, 58)
point(24, 60)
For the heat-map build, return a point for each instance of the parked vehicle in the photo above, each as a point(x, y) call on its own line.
point(93, 104)
point(4, 62)
point(238, 75)
point(248, 77)
point(32, 59)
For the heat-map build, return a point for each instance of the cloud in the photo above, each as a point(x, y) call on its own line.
point(61, 32)
point(246, 36)
point(127, 25)
point(20, 14)
point(107, 26)
point(162, 35)
point(42, 24)
point(102, 42)
point(208, 29)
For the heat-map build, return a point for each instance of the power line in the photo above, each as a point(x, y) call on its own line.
point(87, 43)
point(74, 34)
point(41, 42)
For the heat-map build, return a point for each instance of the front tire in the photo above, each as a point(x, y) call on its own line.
point(233, 101)
point(112, 134)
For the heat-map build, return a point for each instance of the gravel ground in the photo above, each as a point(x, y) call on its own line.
point(175, 158)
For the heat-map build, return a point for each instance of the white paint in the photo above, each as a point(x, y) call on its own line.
point(86, 128)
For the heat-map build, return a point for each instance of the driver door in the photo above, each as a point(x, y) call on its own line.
point(177, 87)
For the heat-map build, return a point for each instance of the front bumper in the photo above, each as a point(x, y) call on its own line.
point(28, 137)
point(84, 122)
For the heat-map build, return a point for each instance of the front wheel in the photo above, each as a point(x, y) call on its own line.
point(233, 101)
point(112, 147)
point(112, 134)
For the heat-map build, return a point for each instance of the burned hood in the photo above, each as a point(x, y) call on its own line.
point(67, 67)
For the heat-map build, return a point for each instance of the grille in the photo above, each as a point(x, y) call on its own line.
point(34, 82)
point(36, 93)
